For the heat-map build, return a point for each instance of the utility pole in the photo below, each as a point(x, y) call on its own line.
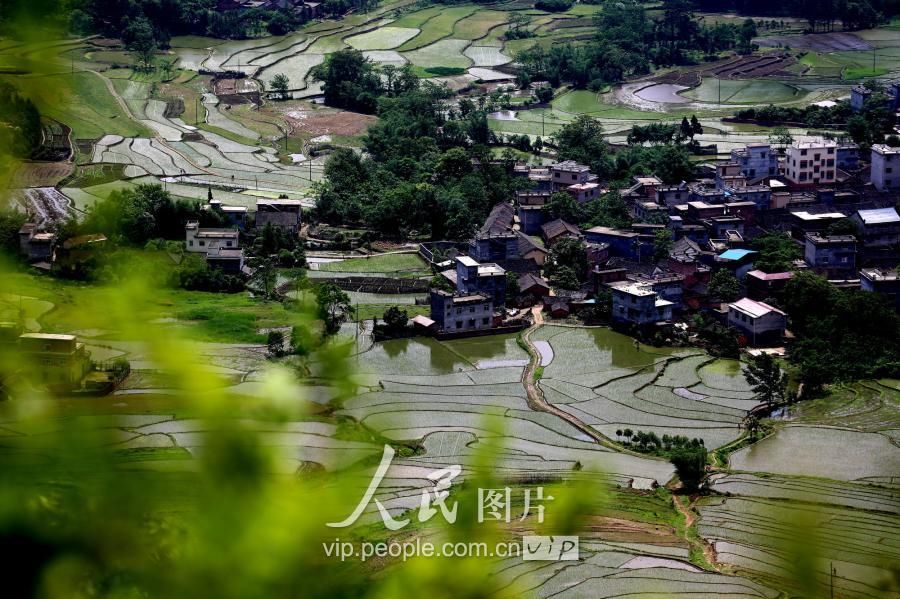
point(832, 579)
point(543, 116)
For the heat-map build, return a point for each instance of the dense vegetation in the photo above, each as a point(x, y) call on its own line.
point(166, 18)
point(628, 41)
point(20, 123)
point(835, 327)
point(351, 81)
point(820, 14)
point(427, 171)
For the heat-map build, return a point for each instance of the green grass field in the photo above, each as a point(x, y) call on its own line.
point(80, 100)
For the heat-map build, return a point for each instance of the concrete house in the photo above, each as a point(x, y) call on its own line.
point(461, 312)
point(759, 322)
point(488, 279)
point(35, 244)
point(885, 167)
point(56, 360)
point(566, 173)
point(811, 162)
point(858, 96)
point(638, 304)
point(756, 160)
point(879, 228)
point(832, 256)
point(885, 282)
point(200, 241)
point(738, 261)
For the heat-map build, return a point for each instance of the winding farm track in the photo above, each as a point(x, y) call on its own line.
point(534, 395)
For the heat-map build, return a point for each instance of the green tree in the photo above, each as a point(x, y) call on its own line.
point(662, 244)
point(512, 287)
point(139, 38)
point(690, 466)
point(275, 344)
point(582, 141)
point(564, 277)
point(781, 137)
point(766, 378)
point(562, 205)
point(333, 306)
point(724, 286)
point(777, 252)
point(569, 253)
point(395, 319)
point(280, 85)
point(265, 274)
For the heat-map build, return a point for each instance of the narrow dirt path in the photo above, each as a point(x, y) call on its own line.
point(535, 396)
point(691, 535)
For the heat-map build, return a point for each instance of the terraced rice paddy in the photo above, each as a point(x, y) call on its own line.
point(818, 451)
point(768, 538)
point(383, 38)
point(628, 387)
point(742, 92)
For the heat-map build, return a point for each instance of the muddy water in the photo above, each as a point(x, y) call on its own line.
point(663, 92)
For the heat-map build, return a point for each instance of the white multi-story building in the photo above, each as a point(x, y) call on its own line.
point(811, 162)
point(885, 167)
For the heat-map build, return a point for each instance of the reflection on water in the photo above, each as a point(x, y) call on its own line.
point(623, 351)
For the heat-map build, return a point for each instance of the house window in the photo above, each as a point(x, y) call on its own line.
point(202, 243)
point(888, 170)
point(485, 320)
point(471, 309)
point(191, 243)
point(459, 324)
point(803, 152)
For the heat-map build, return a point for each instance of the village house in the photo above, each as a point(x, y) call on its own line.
point(811, 162)
point(858, 96)
point(756, 160)
point(884, 282)
point(879, 228)
point(803, 222)
point(57, 360)
point(532, 287)
point(229, 260)
point(832, 256)
point(199, 240)
point(760, 323)
point(638, 304)
point(558, 229)
point(625, 244)
point(738, 261)
point(566, 173)
point(469, 277)
point(281, 214)
point(461, 312)
point(764, 285)
point(35, 244)
point(672, 195)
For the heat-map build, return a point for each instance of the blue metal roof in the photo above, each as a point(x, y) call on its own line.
point(735, 254)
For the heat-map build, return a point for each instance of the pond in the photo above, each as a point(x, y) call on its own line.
point(663, 92)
